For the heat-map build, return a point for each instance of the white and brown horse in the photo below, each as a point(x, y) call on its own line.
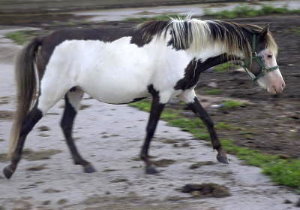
point(162, 59)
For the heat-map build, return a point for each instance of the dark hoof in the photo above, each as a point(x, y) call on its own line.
point(222, 158)
point(151, 170)
point(8, 172)
point(89, 168)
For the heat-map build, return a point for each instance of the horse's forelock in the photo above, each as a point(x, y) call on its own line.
point(271, 44)
point(232, 35)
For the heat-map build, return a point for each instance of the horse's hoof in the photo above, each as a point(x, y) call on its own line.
point(8, 172)
point(89, 168)
point(222, 158)
point(151, 170)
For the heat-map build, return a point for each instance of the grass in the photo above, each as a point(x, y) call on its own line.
point(296, 30)
point(225, 67)
point(226, 126)
point(231, 104)
point(213, 91)
point(158, 17)
point(282, 171)
point(21, 37)
point(248, 11)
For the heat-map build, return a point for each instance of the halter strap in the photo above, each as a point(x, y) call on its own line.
point(259, 60)
point(253, 43)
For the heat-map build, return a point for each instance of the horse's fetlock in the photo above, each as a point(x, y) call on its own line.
point(144, 157)
point(218, 147)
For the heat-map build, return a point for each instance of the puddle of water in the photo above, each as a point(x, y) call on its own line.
point(195, 9)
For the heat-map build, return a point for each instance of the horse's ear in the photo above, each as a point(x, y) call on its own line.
point(265, 30)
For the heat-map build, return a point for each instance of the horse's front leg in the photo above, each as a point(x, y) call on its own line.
point(197, 108)
point(156, 110)
point(189, 97)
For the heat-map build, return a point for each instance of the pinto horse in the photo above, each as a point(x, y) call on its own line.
point(162, 59)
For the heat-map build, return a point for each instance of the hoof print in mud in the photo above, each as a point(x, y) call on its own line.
point(206, 190)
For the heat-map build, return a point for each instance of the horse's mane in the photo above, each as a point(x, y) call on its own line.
point(195, 34)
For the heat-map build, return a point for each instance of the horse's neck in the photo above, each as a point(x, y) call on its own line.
point(210, 50)
point(214, 61)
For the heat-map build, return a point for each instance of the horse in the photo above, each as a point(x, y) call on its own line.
point(157, 59)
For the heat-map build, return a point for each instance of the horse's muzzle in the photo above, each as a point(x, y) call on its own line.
point(273, 82)
point(277, 87)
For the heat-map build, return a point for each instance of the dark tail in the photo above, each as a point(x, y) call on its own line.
point(26, 82)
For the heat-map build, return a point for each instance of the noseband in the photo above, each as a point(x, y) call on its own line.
point(259, 60)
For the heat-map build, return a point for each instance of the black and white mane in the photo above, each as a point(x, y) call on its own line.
point(195, 34)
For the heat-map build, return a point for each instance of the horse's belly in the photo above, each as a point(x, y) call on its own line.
point(118, 96)
point(110, 89)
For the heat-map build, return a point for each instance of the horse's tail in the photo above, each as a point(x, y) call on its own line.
point(26, 84)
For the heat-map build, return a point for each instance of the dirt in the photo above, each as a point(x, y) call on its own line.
point(6, 115)
point(43, 128)
point(37, 168)
point(206, 190)
point(202, 163)
point(40, 6)
point(31, 155)
point(270, 124)
point(163, 162)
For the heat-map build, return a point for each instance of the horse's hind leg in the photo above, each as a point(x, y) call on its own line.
point(30, 120)
point(156, 110)
point(72, 100)
point(50, 93)
point(196, 107)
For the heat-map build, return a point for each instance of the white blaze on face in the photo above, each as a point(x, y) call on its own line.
point(273, 80)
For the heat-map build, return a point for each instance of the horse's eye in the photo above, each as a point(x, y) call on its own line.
point(269, 56)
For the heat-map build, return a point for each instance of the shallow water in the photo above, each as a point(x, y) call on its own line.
point(195, 9)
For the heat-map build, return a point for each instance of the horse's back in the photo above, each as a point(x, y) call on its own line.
point(51, 41)
point(112, 72)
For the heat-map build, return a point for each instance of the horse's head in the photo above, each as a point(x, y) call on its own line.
point(262, 66)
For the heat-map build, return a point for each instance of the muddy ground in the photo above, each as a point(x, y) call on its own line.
point(272, 125)
point(110, 136)
point(269, 123)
